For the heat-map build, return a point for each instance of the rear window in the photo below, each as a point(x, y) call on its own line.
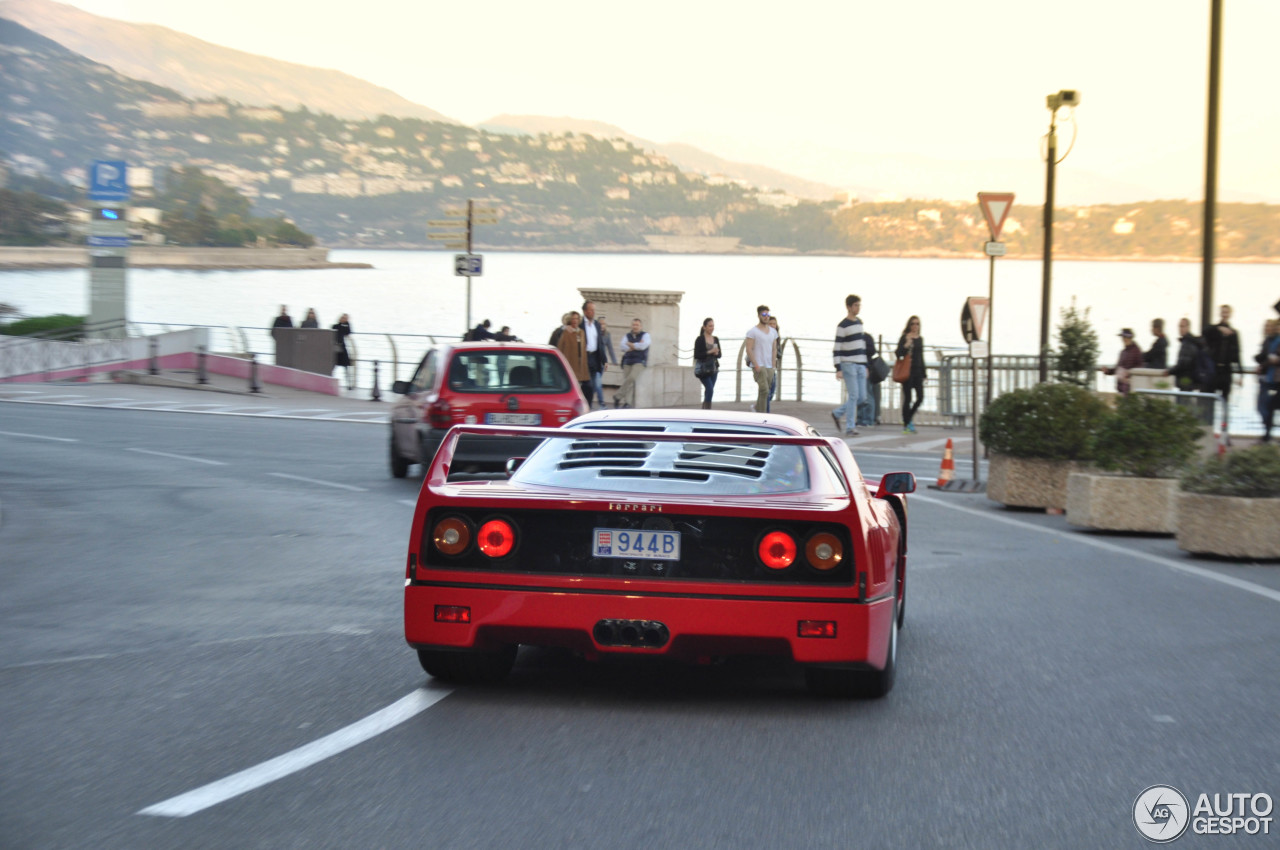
point(700, 465)
point(507, 372)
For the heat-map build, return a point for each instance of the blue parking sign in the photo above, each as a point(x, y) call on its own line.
point(108, 180)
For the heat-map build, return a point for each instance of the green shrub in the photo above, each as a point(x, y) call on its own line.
point(1252, 473)
point(1054, 421)
point(1077, 347)
point(45, 324)
point(1147, 436)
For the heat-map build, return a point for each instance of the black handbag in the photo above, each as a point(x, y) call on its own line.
point(703, 368)
point(877, 369)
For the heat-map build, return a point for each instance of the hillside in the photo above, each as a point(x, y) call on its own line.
point(201, 70)
point(380, 182)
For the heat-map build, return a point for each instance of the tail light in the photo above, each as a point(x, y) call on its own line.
point(496, 538)
point(824, 551)
point(451, 535)
point(581, 408)
point(777, 550)
point(439, 414)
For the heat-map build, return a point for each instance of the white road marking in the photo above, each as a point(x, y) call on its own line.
point(318, 481)
point(870, 438)
point(177, 457)
point(1232, 581)
point(38, 437)
point(97, 401)
point(303, 757)
point(410, 502)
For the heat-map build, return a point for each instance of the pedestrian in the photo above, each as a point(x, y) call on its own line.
point(761, 345)
point(1187, 373)
point(572, 344)
point(505, 335)
point(606, 356)
point(706, 360)
point(1157, 357)
point(1269, 376)
point(635, 356)
point(284, 320)
point(555, 334)
point(311, 321)
point(1224, 344)
point(779, 346)
point(595, 362)
point(341, 357)
point(1130, 358)
point(481, 331)
point(911, 344)
point(850, 357)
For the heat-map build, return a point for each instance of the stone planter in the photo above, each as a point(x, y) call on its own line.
point(1122, 503)
point(1230, 526)
point(1029, 482)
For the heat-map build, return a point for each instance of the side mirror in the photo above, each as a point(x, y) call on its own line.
point(401, 387)
point(896, 482)
point(513, 463)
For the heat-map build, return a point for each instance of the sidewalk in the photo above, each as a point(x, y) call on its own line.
point(178, 390)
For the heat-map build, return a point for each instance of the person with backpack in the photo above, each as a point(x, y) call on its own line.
point(1193, 370)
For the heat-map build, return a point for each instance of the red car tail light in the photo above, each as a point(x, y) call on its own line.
point(810, 628)
point(824, 551)
point(453, 614)
point(451, 535)
point(439, 414)
point(496, 538)
point(777, 550)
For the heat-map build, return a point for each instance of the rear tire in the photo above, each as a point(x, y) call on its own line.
point(399, 466)
point(468, 667)
point(863, 684)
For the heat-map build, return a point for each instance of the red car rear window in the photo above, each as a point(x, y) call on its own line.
point(498, 371)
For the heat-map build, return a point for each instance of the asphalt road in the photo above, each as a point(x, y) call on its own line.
point(185, 597)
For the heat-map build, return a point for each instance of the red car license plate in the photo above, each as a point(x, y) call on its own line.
point(635, 543)
point(513, 419)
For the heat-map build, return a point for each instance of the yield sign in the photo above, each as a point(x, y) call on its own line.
point(995, 206)
point(973, 317)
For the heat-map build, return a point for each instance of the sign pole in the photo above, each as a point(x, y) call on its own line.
point(468, 327)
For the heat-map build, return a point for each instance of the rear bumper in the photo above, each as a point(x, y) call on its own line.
point(700, 626)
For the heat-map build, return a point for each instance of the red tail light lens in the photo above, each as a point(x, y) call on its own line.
point(815, 628)
point(453, 614)
point(496, 538)
point(451, 535)
point(439, 414)
point(777, 550)
point(824, 551)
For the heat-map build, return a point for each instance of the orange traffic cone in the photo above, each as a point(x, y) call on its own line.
point(948, 469)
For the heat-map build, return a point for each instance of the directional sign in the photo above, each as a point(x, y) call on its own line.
point(442, 237)
point(995, 207)
point(995, 249)
point(448, 222)
point(108, 181)
point(467, 265)
point(972, 318)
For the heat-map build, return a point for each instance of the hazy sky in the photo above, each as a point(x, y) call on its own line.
point(803, 86)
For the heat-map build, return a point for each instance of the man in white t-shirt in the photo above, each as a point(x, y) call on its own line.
point(760, 347)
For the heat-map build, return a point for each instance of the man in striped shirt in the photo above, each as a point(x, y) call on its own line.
point(850, 356)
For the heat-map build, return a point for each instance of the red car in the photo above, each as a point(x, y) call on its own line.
point(691, 534)
point(492, 383)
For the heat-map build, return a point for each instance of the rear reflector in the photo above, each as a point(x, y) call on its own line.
point(809, 628)
point(453, 614)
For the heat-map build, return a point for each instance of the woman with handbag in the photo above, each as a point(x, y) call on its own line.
point(909, 372)
point(706, 360)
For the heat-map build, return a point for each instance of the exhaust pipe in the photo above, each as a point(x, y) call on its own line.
point(637, 634)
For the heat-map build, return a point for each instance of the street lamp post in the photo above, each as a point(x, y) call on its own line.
point(1070, 98)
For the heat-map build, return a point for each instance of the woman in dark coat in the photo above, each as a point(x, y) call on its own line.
point(341, 357)
point(706, 351)
point(912, 343)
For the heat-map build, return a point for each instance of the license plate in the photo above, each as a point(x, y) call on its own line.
point(513, 419)
point(635, 543)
